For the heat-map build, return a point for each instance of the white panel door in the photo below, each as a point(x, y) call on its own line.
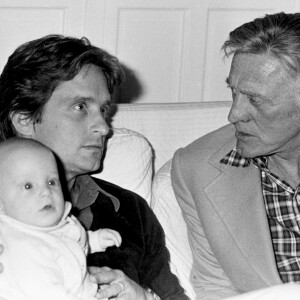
point(157, 42)
point(21, 21)
point(171, 48)
point(222, 17)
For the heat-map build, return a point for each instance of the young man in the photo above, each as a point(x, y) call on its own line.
point(57, 90)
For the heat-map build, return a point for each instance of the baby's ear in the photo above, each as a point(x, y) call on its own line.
point(23, 124)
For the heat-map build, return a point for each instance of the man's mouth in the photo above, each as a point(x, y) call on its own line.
point(93, 147)
point(242, 135)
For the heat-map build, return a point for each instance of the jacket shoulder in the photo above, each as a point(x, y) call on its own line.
point(209, 144)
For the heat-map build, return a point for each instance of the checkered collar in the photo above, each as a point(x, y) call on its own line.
point(233, 158)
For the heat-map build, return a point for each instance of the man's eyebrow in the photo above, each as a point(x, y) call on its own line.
point(245, 92)
point(89, 99)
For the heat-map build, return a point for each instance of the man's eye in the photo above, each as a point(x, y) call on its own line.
point(254, 100)
point(52, 182)
point(79, 107)
point(106, 110)
point(28, 186)
point(250, 98)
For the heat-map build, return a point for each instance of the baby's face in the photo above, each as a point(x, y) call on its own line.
point(30, 188)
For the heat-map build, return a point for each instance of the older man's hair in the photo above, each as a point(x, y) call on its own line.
point(277, 35)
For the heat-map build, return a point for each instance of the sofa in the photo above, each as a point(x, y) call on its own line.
point(138, 157)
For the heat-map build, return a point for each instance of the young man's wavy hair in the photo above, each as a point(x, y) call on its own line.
point(277, 35)
point(37, 67)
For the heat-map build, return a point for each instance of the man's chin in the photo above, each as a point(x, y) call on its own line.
point(86, 167)
point(94, 166)
point(92, 163)
point(247, 152)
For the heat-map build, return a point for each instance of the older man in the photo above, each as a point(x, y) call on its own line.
point(238, 187)
point(57, 90)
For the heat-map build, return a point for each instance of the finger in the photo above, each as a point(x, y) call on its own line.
point(108, 235)
point(95, 270)
point(112, 238)
point(93, 278)
point(118, 239)
point(121, 287)
point(110, 242)
point(115, 234)
point(104, 275)
point(112, 290)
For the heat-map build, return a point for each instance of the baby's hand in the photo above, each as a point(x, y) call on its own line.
point(101, 239)
point(108, 237)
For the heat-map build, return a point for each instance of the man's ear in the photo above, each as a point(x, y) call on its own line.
point(23, 124)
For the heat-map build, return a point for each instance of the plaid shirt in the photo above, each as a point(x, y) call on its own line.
point(282, 204)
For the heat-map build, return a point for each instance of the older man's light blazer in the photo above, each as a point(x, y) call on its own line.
point(226, 218)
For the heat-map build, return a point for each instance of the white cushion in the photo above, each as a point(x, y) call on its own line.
point(168, 212)
point(128, 162)
point(169, 126)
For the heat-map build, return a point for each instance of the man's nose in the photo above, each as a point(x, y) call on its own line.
point(99, 124)
point(239, 109)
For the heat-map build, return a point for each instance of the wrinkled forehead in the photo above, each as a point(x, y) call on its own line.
point(258, 68)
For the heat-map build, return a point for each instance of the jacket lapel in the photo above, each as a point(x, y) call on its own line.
point(237, 197)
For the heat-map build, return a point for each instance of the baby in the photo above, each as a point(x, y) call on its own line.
point(45, 246)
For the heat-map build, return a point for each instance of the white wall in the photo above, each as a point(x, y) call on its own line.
point(170, 48)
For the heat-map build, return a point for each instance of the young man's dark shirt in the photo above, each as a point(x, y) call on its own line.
point(143, 255)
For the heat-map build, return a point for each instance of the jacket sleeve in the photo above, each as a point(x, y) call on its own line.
point(208, 278)
point(281, 291)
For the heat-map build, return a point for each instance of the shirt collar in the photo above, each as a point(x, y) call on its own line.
point(233, 158)
point(85, 193)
